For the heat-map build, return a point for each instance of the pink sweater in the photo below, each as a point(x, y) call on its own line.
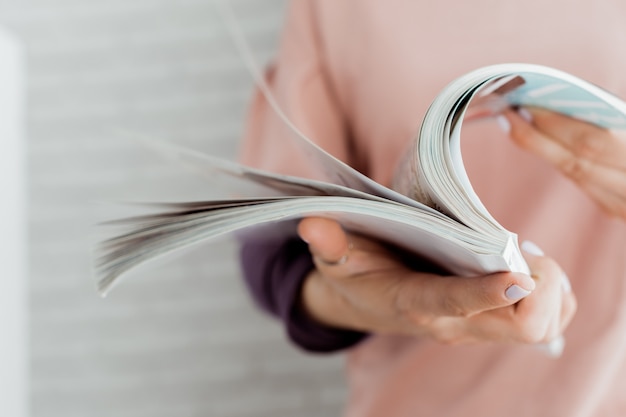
point(357, 76)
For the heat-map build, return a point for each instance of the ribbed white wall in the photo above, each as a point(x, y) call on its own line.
point(13, 280)
point(182, 339)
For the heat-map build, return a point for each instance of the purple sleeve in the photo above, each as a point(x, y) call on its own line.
point(274, 270)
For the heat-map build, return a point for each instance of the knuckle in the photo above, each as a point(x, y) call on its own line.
point(445, 331)
point(454, 309)
point(417, 320)
point(439, 329)
point(588, 146)
point(574, 167)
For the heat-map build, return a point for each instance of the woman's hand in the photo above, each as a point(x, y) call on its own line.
point(593, 157)
point(358, 284)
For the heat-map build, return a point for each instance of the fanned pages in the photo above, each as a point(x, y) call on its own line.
point(433, 211)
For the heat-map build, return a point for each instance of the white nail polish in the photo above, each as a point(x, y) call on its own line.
point(515, 292)
point(565, 283)
point(504, 124)
point(525, 114)
point(531, 248)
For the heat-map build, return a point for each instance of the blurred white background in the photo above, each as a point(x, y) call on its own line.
point(13, 282)
point(184, 339)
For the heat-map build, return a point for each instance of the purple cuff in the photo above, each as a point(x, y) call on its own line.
point(274, 270)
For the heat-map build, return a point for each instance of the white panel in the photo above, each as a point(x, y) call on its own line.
point(13, 351)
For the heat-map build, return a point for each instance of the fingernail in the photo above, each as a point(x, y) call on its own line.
point(525, 114)
point(515, 292)
point(504, 124)
point(530, 247)
point(567, 286)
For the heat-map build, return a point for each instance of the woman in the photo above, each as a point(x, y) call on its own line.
point(357, 77)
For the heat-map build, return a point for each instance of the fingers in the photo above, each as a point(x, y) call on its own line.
point(592, 157)
point(417, 293)
point(611, 202)
point(376, 292)
point(326, 238)
point(540, 318)
point(543, 316)
point(584, 140)
point(451, 296)
point(332, 247)
point(530, 138)
point(580, 140)
point(539, 315)
point(576, 161)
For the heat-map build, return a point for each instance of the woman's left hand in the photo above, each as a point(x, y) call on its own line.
point(593, 157)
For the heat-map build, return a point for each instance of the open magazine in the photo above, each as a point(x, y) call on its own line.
point(433, 211)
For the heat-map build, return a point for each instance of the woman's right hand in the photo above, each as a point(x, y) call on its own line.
point(359, 284)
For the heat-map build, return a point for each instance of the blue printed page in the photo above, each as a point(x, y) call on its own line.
point(561, 96)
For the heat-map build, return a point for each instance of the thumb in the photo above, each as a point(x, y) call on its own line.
point(465, 297)
point(326, 238)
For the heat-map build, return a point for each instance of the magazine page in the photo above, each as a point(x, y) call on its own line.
point(435, 238)
point(565, 94)
point(240, 181)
